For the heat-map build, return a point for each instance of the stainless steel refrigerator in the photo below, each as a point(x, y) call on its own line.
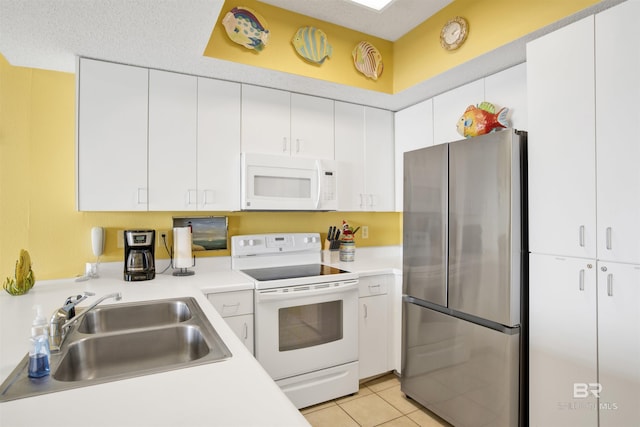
point(464, 353)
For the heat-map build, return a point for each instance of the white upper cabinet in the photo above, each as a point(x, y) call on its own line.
point(349, 125)
point(266, 120)
point(364, 151)
point(617, 143)
point(508, 89)
point(413, 130)
point(312, 128)
point(560, 77)
point(218, 163)
point(112, 136)
point(278, 122)
point(173, 104)
point(450, 106)
point(378, 160)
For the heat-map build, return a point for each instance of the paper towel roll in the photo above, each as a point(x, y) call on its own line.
point(182, 256)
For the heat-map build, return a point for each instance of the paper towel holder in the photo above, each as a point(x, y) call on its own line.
point(182, 243)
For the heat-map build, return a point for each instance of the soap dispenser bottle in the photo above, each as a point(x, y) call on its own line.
point(39, 346)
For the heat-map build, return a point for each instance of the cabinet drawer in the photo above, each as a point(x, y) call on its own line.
point(232, 303)
point(375, 285)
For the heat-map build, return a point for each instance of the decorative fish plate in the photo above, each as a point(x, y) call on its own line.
point(245, 27)
point(368, 60)
point(312, 44)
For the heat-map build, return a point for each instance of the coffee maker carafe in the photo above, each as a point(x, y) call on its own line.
point(139, 259)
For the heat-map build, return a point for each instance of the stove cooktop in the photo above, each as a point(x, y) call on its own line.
point(292, 272)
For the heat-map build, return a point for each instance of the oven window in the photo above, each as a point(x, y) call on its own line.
point(309, 325)
point(278, 186)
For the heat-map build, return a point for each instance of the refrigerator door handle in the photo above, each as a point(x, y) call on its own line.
point(609, 238)
point(582, 279)
point(610, 285)
point(582, 236)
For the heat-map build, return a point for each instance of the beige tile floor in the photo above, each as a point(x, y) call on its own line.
point(379, 402)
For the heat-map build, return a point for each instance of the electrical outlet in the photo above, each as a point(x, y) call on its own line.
point(365, 231)
point(162, 236)
point(120, 240)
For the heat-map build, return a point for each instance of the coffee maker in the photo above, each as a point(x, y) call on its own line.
point(139, 258)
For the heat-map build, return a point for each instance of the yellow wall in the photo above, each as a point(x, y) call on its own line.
point(280, 55)
point(37, 187)
point(415, 57)
point(418, 55)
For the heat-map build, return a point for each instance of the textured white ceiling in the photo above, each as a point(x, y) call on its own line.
point(172, 34)
point(391, 23)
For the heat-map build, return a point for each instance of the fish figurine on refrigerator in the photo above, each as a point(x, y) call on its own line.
point(312, 44)
point(245, 27)
point(481, 120)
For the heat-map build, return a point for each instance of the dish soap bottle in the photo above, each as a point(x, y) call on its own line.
point(39, 351)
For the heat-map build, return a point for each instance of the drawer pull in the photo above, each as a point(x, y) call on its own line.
point(230, 308)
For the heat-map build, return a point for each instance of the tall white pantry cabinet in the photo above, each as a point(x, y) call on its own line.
point(584, 225)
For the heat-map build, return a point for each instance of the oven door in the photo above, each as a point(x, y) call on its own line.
point(305, 328)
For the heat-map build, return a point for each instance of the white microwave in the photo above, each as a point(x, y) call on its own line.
point(272, 182)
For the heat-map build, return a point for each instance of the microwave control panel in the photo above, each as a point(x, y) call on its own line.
point(329, 186)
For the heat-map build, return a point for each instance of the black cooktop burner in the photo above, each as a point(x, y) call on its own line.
point(292, 272)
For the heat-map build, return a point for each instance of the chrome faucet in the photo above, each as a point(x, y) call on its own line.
point(65, 316)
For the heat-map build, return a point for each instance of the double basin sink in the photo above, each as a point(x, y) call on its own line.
point(119, 341)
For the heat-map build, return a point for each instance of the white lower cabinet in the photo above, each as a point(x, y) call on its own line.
point(237, 310)
point(562, 341)
point(619, 343)
point(584, 367)
point(242, 326)
point(373, 331)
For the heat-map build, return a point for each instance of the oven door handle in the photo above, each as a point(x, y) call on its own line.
point(304, 291)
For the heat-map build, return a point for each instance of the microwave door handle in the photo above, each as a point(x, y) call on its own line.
point(319, 186)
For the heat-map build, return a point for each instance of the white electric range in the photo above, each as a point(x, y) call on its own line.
point(306, 324)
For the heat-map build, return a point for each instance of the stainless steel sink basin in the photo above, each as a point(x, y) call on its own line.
point(128, 316)
point(122, 341)
point(122, 354)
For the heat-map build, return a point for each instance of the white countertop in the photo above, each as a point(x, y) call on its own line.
point(368, 261)
point(233, 392)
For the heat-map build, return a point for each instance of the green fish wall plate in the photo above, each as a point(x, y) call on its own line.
point(312, 44)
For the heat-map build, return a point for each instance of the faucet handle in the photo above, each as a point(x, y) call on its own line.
point(72, 301)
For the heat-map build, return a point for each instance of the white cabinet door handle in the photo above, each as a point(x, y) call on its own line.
point(366, 312)
point(610, 285)
point(142, 196)
point(582, 280)
point(609, 238)
point(245, 330)
point(192, 195)
point(284, 144)
point(207, 197)
point(582, 236)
